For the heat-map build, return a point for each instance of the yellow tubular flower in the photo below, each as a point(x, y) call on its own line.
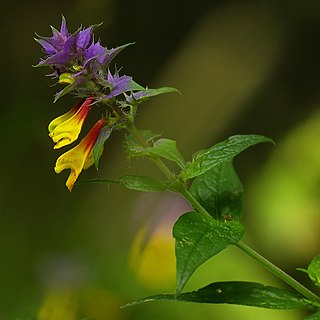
point(81, 156)
point(54, 123)
point(66, 128)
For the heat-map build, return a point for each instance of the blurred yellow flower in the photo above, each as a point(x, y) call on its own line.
point(59, 305)
point(154, 263)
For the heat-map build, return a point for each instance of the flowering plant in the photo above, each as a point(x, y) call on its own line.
point(83, 65)
point(208, 181)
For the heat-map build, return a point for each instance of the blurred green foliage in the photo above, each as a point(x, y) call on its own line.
point(241, 68)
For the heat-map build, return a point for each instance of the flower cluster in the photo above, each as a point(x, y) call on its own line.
point(82, 65)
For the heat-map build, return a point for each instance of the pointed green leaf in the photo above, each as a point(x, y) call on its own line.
point(142, 183)
point(147, 135)
point(199, 238)
point(167, 149)
point(239, 293)
point(164, 148)
point(148, 93)
point(99, 144)
point(134, 86)
point(219, 191)
point(205, 160)
point(313, 270)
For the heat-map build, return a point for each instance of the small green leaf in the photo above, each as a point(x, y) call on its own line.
point(313, 270)
point(134, 86)
point(205, 160)
point(164, 148)
point(314, 316)
point(148, 93)
point(147, 135)
point(142, 183)
point(99, 144)
point(167, 149)
point(239, 293)
point(219, 191)
point(199, 238)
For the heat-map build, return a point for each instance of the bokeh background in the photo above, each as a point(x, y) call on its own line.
point(242, 67)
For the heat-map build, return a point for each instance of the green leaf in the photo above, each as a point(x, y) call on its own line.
point(142, 183)
point(205, 160)
point(97, 150)
point(98, 181)
point(164, 148)
point(199, 238)
point(167, 149)
point(134, 86)
point(314, 316)
point(139, 183)
point(147, 135)
point(148, 93)
point(239, 293)
point(313, 270)
point(219, 191)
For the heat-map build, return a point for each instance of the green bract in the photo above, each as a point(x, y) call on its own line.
point(99, 145)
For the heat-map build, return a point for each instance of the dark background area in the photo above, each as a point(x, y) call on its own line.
point(242, 67)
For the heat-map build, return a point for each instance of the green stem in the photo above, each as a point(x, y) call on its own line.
point(245, 248)
point(161, 165)
point(136, 134)
point(278, 272)
point(196, 205)
point(166, 171)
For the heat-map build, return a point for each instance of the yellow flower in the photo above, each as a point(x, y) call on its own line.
point(81, 156)
point(66, 128)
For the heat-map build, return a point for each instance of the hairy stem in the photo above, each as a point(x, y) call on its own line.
point(181, 188)
point(161, 165)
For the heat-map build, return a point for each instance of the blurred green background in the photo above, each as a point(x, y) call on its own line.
point(242, 67)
